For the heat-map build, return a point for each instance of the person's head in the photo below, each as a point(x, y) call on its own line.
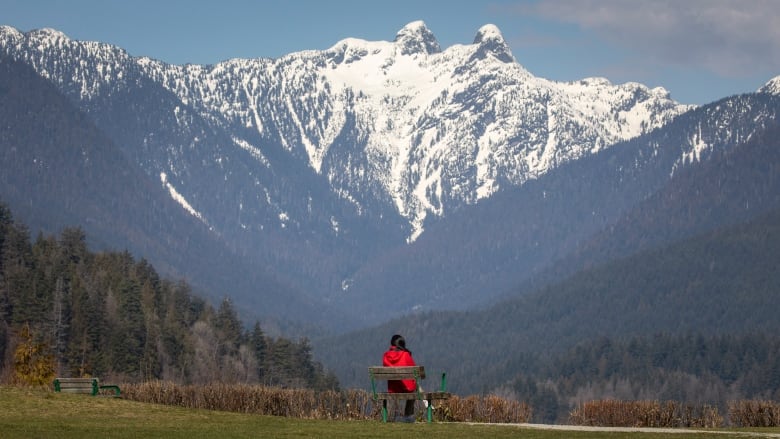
point(399, 342)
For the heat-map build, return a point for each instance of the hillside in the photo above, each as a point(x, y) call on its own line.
point(59, 171)
point(663, 288)
point(721, 283)
point(68, 311)
point(591, 210)
point(730, 187)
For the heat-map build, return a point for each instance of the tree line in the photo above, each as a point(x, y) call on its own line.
point(694, 321)
point(68, 311)
point(690, 368)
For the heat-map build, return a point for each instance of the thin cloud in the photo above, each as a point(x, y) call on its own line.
point(731, 38)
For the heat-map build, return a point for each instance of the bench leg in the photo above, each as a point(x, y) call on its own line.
point(384, 410)
point(429, 411)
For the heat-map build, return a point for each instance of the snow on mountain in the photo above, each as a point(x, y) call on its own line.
point(441, 128)
point(771, 87)
point(401, 123)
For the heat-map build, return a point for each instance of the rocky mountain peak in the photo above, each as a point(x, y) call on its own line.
point(415, 37)
point(48, 33)
point(491, 43)
point(771, 87)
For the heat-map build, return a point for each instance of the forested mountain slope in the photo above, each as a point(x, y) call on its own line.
point(534, 233)
point(722, 281)
point(59, 170)
point(730, 187)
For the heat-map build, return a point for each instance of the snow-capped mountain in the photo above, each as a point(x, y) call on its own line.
point(319, 162)
point(425, 130)
point(428, 129)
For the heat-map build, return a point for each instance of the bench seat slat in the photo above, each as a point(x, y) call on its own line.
point(397, 373)
point(73, 387)
point(404, 396)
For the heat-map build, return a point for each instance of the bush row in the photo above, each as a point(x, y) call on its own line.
point(672, 414)
point(755, 413)
point(356, 404)
point(310, 404)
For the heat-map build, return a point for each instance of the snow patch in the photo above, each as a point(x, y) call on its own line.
point(179, 198)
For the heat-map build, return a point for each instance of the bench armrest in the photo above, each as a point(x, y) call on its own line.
point(117, 392)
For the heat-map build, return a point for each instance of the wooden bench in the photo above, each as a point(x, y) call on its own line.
point(416, 373)
point(83, 385)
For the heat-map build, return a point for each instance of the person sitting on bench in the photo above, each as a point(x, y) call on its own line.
point(397, 355)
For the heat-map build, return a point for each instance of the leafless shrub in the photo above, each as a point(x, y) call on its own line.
point(671, 414)
point(752, 413)
point(489, 408)
point(310, 404)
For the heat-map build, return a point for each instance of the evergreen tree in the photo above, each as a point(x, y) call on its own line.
point(151, 306)
point(177, 348)
point(18, 277)
point(6, 222)
point(74, 245)
point(279, 362)
point(87, 351)
point(260, 347)
point(303, 366)
point(130, 333)
point(228, 327)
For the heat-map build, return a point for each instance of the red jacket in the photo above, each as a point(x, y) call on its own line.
point(395, 357)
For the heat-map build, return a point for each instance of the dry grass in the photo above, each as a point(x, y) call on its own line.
point(671, 414)
point(487, 409)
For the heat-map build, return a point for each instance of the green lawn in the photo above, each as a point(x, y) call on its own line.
point(33, 413)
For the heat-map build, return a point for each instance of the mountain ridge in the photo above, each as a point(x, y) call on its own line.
point(319, 165)
point(530, 232)
point(335, 68)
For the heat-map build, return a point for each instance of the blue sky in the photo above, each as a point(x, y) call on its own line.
point(699, 50)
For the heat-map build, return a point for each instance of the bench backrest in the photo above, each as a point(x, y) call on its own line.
point(397, 373)
point(77, 385)
point(415, 373)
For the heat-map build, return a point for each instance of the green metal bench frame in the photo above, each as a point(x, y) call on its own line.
point(416, 373)
point(83, 385)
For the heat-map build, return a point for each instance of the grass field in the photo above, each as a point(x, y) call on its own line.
point(37, 413)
